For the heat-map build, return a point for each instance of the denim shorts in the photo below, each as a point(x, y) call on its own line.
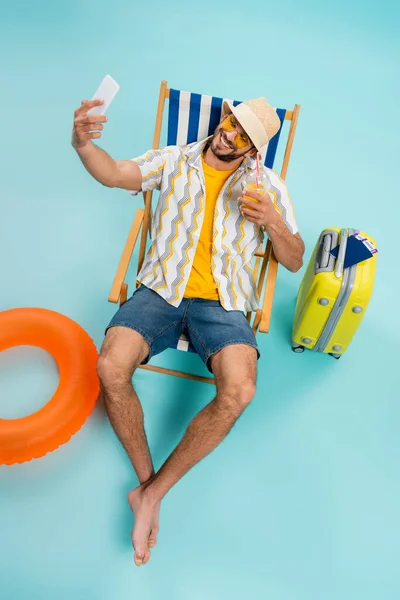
point(208, 326)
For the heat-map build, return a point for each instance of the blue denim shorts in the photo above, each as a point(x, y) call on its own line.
point(208, 326)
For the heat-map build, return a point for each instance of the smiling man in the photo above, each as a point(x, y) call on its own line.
point(196, 278)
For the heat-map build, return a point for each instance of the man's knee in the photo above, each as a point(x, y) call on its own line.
point(123, 350)
point(235, 372)
point(237, 396)
point(110, 372)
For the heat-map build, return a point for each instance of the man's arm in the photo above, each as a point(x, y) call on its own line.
point(123, 174)
point(288, 248)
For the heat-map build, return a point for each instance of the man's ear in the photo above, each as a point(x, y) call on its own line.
point(251, 152)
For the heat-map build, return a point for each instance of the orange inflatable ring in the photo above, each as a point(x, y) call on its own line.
point(76, 355)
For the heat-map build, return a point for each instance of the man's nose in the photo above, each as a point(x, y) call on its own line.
point(231, 135)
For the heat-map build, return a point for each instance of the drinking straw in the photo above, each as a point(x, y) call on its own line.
point(257, 169)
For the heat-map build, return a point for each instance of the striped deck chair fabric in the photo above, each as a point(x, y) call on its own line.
point(193, 117)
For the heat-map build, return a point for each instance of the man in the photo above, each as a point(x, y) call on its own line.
point(196, 278)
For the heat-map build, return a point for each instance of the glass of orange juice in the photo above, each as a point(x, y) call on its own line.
point(256, 183)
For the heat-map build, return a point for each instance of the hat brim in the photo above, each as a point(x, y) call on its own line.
point(250, 123)
point(227, 107)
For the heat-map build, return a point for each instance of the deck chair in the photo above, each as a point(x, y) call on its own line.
point(192, 117)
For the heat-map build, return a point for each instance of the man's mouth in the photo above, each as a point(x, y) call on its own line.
point(224, 143)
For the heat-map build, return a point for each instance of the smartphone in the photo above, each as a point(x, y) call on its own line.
point(106, 91)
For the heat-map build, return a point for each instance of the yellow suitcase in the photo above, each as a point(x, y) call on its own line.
point(332, 300)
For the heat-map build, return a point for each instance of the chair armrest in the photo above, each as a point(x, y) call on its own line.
point(269, 294)
point(126, 257)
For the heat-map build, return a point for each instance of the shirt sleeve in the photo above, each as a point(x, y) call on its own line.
point(151, 166)
point(282, 202)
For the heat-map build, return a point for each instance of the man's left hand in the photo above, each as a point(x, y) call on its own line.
point(261, 210)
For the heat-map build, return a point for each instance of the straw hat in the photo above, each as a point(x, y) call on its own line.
point(258, 119)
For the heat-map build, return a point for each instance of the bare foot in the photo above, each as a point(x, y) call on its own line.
point(155, 526)
point(146, 512)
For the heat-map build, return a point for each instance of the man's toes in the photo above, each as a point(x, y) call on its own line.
point(153, 538)
point(139, 556)
point(146, 557)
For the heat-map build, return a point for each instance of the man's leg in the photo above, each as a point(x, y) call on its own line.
point(123, 350)
point(234, 369)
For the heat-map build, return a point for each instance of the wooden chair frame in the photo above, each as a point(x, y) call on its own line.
point(266, 265)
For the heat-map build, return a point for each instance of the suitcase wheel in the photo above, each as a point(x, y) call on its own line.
point(297, 348)
point(337, 356)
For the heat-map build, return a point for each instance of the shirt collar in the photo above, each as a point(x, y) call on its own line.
point(194, 151)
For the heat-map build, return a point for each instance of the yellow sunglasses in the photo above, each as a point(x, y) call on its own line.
point(242, 139)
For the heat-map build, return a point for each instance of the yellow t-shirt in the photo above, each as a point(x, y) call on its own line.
point(201, 282)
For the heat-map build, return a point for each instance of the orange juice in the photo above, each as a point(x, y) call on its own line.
point(253, 187)
point(259, 184)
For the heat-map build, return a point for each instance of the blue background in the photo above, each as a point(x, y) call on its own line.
point(301, 500)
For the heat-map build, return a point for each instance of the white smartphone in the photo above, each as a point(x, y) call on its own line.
point(106, 91)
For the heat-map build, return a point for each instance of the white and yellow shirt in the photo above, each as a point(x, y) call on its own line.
point(177, 173)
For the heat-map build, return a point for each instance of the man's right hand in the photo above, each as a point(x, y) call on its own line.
point(86, 127)
point(124, 174)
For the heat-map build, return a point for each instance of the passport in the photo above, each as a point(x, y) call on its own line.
point(356, 252)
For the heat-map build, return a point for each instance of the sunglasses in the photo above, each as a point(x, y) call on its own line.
point(242, 139)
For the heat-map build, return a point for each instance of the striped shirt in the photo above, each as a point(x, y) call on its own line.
point(177, 173)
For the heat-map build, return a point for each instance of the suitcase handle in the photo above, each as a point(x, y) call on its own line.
point(344, 234)
point(324, 261)
point(326, 251)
